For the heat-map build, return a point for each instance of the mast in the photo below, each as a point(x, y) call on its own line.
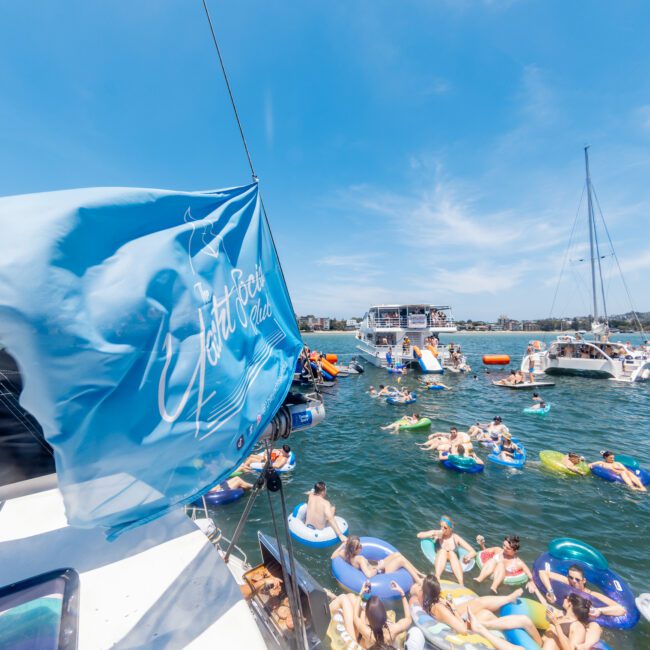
point(592, 228)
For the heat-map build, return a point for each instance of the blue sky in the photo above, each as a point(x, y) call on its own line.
point(407, 151)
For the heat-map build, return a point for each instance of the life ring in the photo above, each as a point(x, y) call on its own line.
point(565, 552)
point(287, 467)
point(310, 536)
point(430, 549)
point(512, 579)
point(435, 387)
point(462, 464)
point(352, 579)
point(643, 603)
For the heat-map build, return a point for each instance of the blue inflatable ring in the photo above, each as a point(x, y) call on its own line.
point(393, 400)
point(352, 579)
point(517, 462)
point(613, 477)
point(606, 580)
point(462, 464)
point(220, 498)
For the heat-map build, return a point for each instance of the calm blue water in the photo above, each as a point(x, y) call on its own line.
point(386, 487)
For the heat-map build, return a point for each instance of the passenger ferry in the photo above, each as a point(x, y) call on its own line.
point(404, 335)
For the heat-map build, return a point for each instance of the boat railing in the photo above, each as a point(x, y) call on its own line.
point(402, 322)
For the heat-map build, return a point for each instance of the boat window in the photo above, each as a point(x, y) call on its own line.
point(41, 612)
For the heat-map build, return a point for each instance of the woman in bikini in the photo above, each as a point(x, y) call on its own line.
point(504, 561)
point(570, 625)
point(447, 544)
point(350, 552)
point(369, 625)
point(459, 617)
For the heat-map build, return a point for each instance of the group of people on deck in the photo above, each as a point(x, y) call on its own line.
point(367, 622)
point(517, 377)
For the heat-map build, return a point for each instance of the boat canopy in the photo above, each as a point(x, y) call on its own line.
point(155, 336)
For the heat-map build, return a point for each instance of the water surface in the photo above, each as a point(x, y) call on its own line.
point(386, 487)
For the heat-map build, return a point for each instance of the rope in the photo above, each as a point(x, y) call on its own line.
point(566, 253)
point(232, 99)
point(243, 139)
point(618, 264)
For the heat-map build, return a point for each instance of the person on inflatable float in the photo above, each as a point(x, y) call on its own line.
point(428, 596)
point(630, 479)
point(232, 483)
point(350, 552)
point(571, 460)
point(407, 419)
point(491, 432)
point(508, 449)
point(505, 560)
point(575, 578)
point(464, 451)
point(279, 458)
point(571, 627)
point(370, 626)
point(320, 512)
point(439, 440)
point(447, 543)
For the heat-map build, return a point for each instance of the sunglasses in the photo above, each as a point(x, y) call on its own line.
point(575, 578)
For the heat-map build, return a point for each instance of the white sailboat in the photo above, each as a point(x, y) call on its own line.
point(593, 353)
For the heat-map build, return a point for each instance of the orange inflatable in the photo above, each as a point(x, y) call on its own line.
point(328, 367)
point(416, 351)
point(496, 359)
point(332, 358)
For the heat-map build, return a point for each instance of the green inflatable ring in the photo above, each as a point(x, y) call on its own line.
point(567, 548)
point(422, 423)
point(552, 460)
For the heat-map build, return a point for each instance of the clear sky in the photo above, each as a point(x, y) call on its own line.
point(408, 151)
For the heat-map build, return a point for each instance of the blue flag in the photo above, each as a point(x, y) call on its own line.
point(155, 335)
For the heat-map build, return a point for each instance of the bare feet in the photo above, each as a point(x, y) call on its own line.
point(517, 593)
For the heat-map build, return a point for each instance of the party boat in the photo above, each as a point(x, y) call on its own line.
point(590, 353)
point(407, 335)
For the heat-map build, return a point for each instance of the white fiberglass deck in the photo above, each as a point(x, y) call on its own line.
point(161, 585)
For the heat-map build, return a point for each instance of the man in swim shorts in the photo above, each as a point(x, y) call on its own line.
point(575, 578)
point(446, 441)
point(232, 483)
point(320, 512)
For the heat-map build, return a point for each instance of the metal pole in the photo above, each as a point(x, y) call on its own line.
point(590, 209)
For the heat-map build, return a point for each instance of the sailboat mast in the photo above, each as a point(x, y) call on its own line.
point(592, 226)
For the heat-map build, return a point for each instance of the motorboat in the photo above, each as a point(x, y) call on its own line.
point(402, 335)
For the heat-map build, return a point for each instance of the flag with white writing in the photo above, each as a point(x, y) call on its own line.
point(155, 335)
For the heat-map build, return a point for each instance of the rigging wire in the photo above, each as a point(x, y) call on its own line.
point(618, 264)
point(566, 253)
point(246, 149)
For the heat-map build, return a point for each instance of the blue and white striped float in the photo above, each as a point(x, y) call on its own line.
point(310, 536)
